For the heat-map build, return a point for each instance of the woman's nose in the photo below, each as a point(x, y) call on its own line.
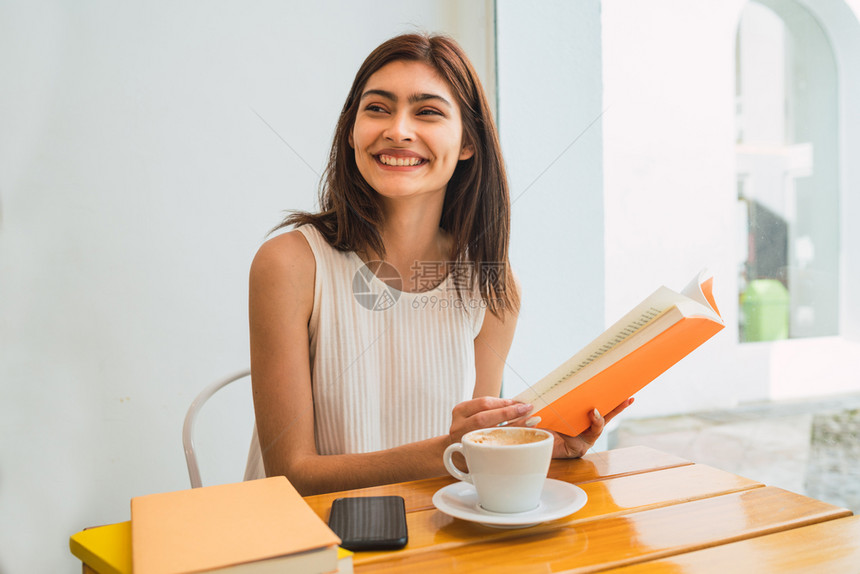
point(400, 128)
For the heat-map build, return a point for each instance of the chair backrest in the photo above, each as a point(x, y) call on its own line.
point(191, 416)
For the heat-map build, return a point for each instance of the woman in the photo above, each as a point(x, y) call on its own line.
point(380, 326)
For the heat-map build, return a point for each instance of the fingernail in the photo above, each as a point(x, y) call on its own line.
point(524, 408)
point(533, 422)
point(596, 414)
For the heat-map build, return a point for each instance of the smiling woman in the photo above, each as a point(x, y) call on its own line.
point(371, 347)
point(408, 136)
point(475, 212)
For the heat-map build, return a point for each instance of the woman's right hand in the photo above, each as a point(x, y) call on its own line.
point(484, 412)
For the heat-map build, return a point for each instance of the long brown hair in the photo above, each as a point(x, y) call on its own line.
point(476, 211)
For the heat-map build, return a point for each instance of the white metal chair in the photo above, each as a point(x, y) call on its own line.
point(190, 417)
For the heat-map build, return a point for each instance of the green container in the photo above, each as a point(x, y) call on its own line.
point(764, 305)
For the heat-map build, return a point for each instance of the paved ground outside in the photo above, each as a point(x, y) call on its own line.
point(810, 447)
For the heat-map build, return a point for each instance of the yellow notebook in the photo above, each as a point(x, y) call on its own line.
point(105, 549)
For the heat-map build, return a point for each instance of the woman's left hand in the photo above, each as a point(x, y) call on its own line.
point(575, 446)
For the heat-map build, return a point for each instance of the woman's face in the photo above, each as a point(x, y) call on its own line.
point(408, 133)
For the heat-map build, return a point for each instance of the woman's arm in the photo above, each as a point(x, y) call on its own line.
point(281, 290)
point(280, 305)
point(491, 350)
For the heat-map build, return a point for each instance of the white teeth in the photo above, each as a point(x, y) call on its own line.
point(399, 161)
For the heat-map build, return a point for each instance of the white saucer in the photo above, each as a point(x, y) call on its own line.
point(559, 499)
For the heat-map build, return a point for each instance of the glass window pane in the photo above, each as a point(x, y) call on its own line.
point(788, 192)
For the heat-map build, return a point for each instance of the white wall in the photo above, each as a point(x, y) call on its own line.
point(550, 105)
point(669, 176)
point(136, 182)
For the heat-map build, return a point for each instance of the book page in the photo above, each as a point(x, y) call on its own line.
point(700, 290)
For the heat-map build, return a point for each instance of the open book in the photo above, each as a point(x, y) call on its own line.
point(656, 334)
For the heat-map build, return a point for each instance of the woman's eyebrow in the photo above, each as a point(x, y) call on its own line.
point(414, 98)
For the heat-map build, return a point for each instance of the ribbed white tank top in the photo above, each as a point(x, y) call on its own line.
point(387, 366)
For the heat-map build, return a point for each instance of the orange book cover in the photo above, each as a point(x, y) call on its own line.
point(213, 527)
point(655, 335)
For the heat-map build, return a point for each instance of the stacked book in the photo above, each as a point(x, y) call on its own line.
point(255, 527)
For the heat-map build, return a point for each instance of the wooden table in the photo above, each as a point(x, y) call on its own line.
point(647, 511)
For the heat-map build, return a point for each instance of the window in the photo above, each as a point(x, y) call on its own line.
point(787, 173)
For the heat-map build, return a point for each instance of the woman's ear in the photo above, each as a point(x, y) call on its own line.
point(350, 140)
point(467, 151)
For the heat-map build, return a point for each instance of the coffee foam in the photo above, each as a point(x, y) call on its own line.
point(506, 437)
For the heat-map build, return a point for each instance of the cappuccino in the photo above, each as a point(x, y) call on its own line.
point(506, 437)
point(507, 465)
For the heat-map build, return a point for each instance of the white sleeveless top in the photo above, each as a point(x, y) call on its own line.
point(387, 366)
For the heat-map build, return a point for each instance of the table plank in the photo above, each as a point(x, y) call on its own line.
point(832, 546)
point(418, 494)
point(614, 541)
point(633, 493)
point(610, 497)
point(614, 463)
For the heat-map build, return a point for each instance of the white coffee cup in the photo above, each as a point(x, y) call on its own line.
point(507, 465)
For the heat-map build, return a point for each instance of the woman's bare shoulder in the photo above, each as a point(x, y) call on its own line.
point(285, 257)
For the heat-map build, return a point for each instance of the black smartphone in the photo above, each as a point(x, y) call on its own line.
point(369, 522)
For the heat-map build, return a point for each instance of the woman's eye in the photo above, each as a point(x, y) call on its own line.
point(375, 108)
point(429, 112)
